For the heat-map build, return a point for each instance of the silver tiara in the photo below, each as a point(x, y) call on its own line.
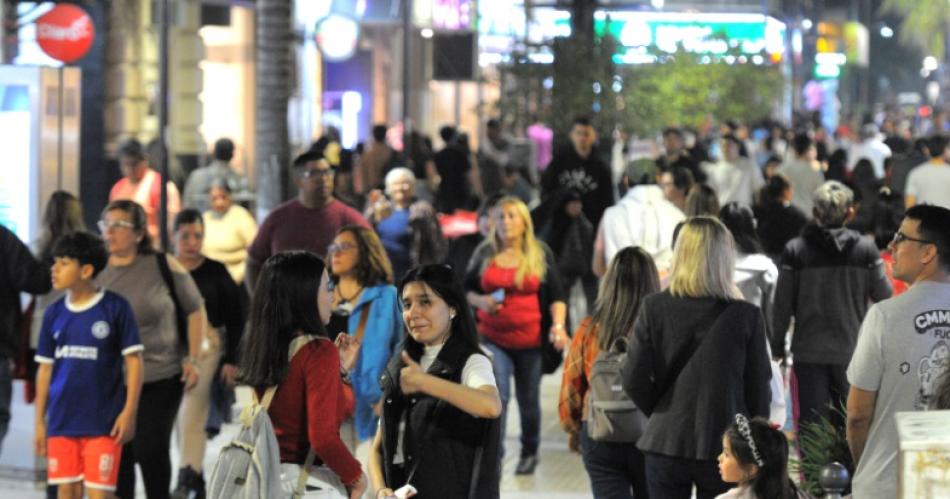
point(746, 431)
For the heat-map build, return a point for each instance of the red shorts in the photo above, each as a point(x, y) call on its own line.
point(93, 460)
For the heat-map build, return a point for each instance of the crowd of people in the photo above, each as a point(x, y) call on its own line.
point(714, 281)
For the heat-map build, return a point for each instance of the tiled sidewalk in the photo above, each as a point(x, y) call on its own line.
point(560, 474)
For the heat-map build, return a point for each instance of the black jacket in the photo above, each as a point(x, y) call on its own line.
point(452, 446)
point(693, 364)
point(777, 224)
point(590, 176)
point(827, 279)
point(19, 272)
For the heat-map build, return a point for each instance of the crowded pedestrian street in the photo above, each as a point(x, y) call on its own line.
point(474, 249)
point(560, 474)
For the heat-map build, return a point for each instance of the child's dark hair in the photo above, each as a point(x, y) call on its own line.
point(84, 247)
point(771, 447)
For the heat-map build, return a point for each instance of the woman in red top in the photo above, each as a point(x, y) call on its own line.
point(615, 468)
point(311, 401)
point(512, 279)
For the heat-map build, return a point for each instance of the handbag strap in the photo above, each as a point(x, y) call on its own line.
point(679, 364)
point(304, 475)
point(181, 321)
point(364, 317)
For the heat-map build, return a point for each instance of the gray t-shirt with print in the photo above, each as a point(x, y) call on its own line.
point(142, 285)
point(903, 349)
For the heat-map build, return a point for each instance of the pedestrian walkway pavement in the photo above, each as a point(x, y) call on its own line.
point(560, 473)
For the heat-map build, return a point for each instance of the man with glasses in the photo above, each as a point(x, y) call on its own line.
point(828, 276)
point(903, 350)
point(308, 222)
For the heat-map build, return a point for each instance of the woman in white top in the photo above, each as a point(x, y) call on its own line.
point(755, 276)
point(439, 430)
point(229, 230)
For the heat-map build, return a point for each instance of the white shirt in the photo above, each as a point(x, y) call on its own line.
point(930, 183)
point(642, 218)
point(874, 150)
point(476, 373)
point(734, 182)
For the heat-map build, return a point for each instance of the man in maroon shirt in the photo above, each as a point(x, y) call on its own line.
point(308, 222)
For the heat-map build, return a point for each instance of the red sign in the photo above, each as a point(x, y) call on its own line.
point(65, 33)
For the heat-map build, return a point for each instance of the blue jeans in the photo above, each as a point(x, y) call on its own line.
point(525, 366)
point(616, 469)
point(673, 477)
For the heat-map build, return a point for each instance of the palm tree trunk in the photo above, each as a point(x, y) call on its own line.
point(273, 81)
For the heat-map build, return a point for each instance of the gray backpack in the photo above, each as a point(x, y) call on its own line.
point(612, 416)
point(249, 466)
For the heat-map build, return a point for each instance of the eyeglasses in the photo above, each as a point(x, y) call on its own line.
point(105, 225)
point(317, 173)
point(900, 236)
point(335, 248)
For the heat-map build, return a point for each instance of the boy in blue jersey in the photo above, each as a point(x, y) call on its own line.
point(84, 412)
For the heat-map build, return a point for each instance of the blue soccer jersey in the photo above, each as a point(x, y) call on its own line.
point(86, 346)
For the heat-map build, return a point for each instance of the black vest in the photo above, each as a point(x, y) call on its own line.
point(443, 439)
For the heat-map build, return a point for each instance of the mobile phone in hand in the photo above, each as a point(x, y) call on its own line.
point(498, 295)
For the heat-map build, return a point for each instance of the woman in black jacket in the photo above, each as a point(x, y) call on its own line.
point(698, 357)
point(439, 426)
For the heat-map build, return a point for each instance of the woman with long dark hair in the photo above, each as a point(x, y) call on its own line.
point(218, 360)
point(756, 273)
point(697, 358)
point(439, 427)
point(615, 468)
point(286, 347)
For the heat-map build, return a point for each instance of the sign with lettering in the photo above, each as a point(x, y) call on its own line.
point(65, 33)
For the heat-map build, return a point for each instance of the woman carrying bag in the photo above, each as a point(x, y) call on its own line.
point(286, 346)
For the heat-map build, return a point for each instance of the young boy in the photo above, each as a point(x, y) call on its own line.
point(83, 340)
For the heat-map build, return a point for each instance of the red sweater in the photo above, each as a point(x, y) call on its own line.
point(309, 407)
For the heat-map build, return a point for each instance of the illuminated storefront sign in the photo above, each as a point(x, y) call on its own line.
point(642, 34)
point(709, 34)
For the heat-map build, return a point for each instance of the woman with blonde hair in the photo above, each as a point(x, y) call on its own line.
point(365, 307)
point(697, 358)
point(512, 280)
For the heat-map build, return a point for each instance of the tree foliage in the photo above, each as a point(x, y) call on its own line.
point(924, 25)
point(680, 89)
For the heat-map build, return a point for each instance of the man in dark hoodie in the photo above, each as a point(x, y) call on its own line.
point(827, 278)
point(580, 168)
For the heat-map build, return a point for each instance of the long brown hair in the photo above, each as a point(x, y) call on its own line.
point(373, 266)
point(63, 215)
point(631, 276)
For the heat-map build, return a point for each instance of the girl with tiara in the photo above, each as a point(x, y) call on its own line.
point(755, 456)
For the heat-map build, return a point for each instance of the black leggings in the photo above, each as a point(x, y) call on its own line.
point(151, 446)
